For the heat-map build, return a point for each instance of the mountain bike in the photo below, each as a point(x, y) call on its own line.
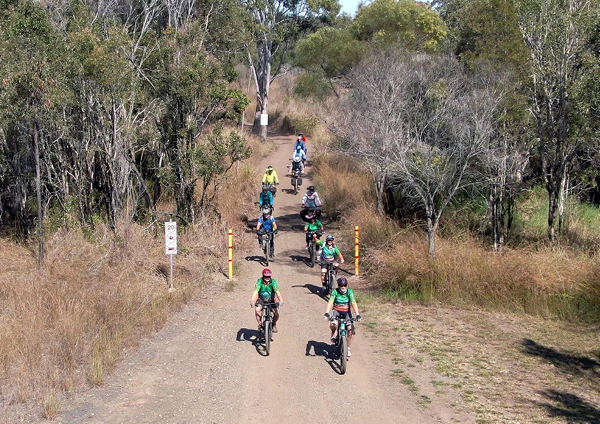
point(268, 244)
point(329, 277)
point(296, 179)
point(312, 247)
point(267, 323)
point(342, 339)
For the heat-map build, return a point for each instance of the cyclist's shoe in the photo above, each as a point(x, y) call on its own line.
point(306, 248)
point(334, 340)
point(349, 354)
point(274, 328)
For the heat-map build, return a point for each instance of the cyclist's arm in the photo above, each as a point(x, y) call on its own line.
point(353, 302)
point(339, 254)
point(304, 200)
point(318, 200)
point(264, 178)
point(330, 303)
point(306, 228)
point(258, 224)
point(276, 177)
point(254, 297)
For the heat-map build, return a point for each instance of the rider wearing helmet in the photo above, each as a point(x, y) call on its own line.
point(299, 153)
point(311, 200)
point(340, 301)
point(266, 223)
point(329, 253)
point(301, 141)
point(265, 199)
point(313, 226)
point(266, 290)
point(297, 164)
point(270, 176)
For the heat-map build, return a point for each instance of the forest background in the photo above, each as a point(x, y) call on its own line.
point(474, 122)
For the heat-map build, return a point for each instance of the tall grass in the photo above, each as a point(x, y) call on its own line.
point(67, 324)
point(561, 282)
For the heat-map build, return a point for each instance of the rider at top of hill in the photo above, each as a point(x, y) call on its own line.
point(301, 141)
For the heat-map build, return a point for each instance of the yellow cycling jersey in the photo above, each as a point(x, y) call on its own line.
point(271, 178)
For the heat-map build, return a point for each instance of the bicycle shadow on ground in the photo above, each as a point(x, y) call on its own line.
point(254, 337)
point(328, 351)
point(313, 290)
point(259, 259)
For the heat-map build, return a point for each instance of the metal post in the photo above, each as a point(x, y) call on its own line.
point(230, 249)
point(171, 280)
point(356, 251)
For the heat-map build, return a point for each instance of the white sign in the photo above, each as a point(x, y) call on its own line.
point(264, 119)
point(171, 237)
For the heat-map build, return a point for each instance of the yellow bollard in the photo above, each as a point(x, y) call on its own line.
point(230, 245)
point(356, 253)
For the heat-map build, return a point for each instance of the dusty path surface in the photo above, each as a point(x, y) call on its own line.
point(206, 365)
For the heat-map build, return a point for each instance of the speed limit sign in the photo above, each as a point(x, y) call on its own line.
point(171, 237)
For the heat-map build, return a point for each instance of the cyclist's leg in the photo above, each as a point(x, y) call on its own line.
point(333, 324)
point(323, 274)
point(275, 315)
point(258, 313)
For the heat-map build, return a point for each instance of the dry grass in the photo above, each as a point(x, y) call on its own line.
point(552, 282)
point(66, 325)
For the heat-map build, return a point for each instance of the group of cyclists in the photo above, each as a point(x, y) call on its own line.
point(342, 303)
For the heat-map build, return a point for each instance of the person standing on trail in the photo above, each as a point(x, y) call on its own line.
point(266, 291)
point(311, 201)
point(340, 301)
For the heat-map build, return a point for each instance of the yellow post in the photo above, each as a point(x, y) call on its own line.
point(356, 253)
point(230, 245)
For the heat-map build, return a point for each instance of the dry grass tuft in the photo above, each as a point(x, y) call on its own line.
point(66, 325)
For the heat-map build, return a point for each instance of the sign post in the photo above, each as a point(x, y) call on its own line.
point(230, 248)
point(356, 251)
point(171, 244)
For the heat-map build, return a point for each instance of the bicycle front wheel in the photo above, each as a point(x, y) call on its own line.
point(343, 354)
point(267, 250)
point(311, 251)
point(268, 333)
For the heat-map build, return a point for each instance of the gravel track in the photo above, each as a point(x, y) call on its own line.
point(205, 365)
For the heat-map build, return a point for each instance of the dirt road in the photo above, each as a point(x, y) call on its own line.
point(206, 366)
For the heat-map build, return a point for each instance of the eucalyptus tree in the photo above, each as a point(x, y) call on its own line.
point(423, 121)
point(557, 33)
point(275, 27)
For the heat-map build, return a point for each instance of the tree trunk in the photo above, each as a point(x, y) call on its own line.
point(563, 197)
point(552, 208)
point(431, 227)
point(380, 181)
point(38, 189)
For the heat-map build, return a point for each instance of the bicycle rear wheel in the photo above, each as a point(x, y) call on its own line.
point(343, 354)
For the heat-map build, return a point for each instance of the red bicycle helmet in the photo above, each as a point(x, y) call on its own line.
point(267, 272)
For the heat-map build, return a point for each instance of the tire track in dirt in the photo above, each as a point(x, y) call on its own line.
point(204, 366)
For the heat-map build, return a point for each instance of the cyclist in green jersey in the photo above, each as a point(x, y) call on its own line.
point(266, 290)
point(314, 225)
point(340, 302)
point(329, 253)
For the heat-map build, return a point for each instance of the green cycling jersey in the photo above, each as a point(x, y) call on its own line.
point(266, 291)
point(341, 301)
point(328, 253)
point(313, 226)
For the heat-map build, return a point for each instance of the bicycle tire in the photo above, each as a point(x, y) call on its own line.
point(267, 249)
point(268, 331)
point(343, 353)
point(311, 251)
point(330, 279)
